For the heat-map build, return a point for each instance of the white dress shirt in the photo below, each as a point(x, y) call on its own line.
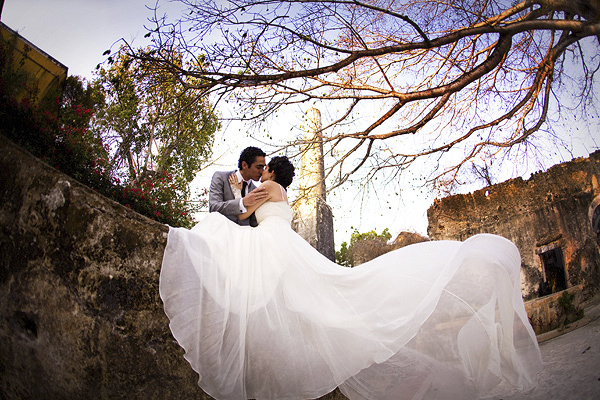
point(238, 174)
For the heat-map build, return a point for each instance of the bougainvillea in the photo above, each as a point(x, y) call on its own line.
point(57, 130)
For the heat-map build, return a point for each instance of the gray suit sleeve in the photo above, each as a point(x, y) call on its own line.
point(220, 197)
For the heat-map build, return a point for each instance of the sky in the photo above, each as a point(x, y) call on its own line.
point(77, 32)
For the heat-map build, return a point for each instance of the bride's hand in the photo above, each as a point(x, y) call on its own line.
point(236, 186)
point(233, 181)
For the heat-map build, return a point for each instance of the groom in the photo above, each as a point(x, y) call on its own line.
point(221, 198)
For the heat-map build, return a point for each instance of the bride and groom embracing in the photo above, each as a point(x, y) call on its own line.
point(262, 315)
point(233, 193)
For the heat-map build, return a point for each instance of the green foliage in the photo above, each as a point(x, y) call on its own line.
point(385, 236)
point(345, 257)
point(14, 82)
point(59, 138)
point(152, 122)
point(61, 131)
point(571, 312)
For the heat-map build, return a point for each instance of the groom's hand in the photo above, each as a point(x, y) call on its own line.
point(255, 196)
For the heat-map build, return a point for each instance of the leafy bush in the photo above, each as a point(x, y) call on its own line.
point(345, 255)
point(56, 130)
point(570, 312)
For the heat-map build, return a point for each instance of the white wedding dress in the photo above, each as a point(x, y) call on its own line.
point(262, 315)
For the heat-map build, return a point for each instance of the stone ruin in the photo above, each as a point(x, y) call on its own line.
point(313, 219)
point(79, 305)
point(553, 218)
point(366, 250)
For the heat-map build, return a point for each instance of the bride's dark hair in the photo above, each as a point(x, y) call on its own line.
point(284, 170)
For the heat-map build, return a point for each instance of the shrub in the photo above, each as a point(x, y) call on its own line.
point(60, 136)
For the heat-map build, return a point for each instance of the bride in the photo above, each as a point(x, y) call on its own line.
point(262, 315)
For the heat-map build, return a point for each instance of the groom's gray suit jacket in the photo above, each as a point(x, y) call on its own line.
point(221, 199)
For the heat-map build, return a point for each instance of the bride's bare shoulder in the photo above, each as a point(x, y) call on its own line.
point(274, 190)
point(270, 185)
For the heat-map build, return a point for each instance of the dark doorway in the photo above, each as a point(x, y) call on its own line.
point(596, 224)
point(554, 272)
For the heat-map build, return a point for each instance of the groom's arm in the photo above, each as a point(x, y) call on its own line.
point(216, 196)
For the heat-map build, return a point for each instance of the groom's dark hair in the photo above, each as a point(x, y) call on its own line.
point(249, 155)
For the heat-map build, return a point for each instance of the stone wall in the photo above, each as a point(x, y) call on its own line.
point(550, 210)
point(80, 313)
point(547, 311)
point(366, 250)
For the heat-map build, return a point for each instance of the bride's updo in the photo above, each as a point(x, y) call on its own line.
point(284, 170)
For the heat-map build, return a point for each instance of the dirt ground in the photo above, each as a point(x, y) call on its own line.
point(571, 366)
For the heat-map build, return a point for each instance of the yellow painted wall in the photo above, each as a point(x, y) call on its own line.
point(40, 67)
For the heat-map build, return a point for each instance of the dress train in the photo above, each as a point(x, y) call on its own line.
point(262, 315)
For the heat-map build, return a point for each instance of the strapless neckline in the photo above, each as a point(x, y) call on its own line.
point(274, 209)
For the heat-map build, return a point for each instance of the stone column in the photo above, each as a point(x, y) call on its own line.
point(313, 218)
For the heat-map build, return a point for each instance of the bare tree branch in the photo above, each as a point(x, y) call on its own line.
point(463, 78)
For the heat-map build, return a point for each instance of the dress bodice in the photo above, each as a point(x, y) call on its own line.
point(269, 209)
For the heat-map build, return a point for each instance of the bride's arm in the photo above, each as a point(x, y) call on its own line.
point(273, 193)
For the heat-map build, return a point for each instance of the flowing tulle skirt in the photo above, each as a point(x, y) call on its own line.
point(262, 315)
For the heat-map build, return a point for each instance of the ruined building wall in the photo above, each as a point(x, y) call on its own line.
point(367, 250)
point(550, 210)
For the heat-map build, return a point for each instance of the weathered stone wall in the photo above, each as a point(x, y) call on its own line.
point(49, 74)
point(80, 313)
point(366, 250)
point(549, 209)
